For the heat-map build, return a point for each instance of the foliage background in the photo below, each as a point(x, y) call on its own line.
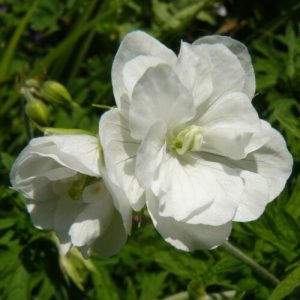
point(74, 42)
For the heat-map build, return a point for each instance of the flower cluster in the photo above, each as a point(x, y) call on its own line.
point(184, 141)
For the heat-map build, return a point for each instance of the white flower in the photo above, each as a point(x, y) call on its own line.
point(60, 179)
point(186, 133)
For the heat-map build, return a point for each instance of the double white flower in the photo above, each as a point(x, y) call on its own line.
point(67, 190)
point(186, 141)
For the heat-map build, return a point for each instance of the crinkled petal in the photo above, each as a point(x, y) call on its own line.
point(135, 68)
point(227, 186)
point(194, 71)
point(113, 239)
point(120, 156)
point(150, 154)
point(183, 236)
point(159, 96)
point(182, 189)
point(272, 161)
point(241, 52)
point(135, 44)
point(264, 173)
point(78, 152)
point(94, 218)
point(226, 73)
point(37, 188)
point(254, 197)
point(228, 125)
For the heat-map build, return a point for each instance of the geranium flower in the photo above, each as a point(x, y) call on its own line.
point(60, 177)
point(186, 140)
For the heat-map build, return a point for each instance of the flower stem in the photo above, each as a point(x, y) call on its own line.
point(102, 106)
point(261, 271)
point(28, 126)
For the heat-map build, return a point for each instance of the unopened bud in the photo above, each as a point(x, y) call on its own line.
point(37, 111)
point(32, 83)
point(55, 93)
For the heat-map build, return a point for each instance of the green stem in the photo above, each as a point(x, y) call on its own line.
point(28, 125)
point(102, 106)
point(261, 271)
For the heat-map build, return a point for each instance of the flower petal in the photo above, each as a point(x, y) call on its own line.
point(181, 188)
point(41, 213)
point(78, 152)
point(272, 161)
point(241, 52)
point(253, 199)
point(159, 96)
point(120, 156)
point(150, 154)
point(120, 200)
point(228, 125)
point(183, 236)
point(194, 71)
point(66, 212)
point(226, 73)
point(135, 68)
point(94, 218)
point(113, 239)
point(134, 44)
point(227, 186)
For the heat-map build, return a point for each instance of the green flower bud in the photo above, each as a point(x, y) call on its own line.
point(37, 111)
point(32, 83)
point(55, 93)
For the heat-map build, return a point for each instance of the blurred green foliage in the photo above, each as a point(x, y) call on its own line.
point(74, 42)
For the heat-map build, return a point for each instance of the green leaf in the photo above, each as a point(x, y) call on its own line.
point(287, 286)
point(152, 285)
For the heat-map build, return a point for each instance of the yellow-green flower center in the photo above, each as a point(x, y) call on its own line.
point(79, 184)
point(188, 139)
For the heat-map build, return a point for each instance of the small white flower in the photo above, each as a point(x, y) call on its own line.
point(186, 133)
point(60, 178)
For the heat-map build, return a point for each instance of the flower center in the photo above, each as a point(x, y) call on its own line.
point(79, 184)
point(188, 139)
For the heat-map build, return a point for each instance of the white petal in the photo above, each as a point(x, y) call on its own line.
point(272, 161)
point(120, 156)
point(120, 200)
point(42, 213)
point(228, 125)
point(79, 152)
point(134, 44)
point(182, 189)
point(228, 188)
point(241, 52)
point(264, 172)
point(183, 236)
point(113, 239)
point(194, 71)
point(150, 154)
point(226, 73)
point(159, 96)
point(135, 68)
point(254, 197)
point(94, 218)
point(37, 188)
point(66, 211)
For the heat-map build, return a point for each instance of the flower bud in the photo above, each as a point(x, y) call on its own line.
point(37, 111)
point(55, 93)
point(32, 83)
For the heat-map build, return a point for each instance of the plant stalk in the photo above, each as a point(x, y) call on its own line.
point(261, 271)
